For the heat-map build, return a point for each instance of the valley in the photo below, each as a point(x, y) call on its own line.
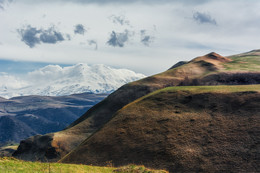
point(25, 116)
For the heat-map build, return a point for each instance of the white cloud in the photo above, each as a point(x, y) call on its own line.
point(119, 2)
point(8, 82)
point(177, 36)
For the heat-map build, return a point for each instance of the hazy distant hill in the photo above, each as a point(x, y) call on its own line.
point(22, 117)
point(170, 120)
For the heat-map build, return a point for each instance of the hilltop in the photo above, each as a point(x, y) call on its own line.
point(133, 123)
point(181, 129)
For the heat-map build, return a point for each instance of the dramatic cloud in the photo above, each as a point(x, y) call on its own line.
point(79, 29)
point(1, 4)
point(104, 2)
point(118, 39)
point(93, 42)
point(185, 29)
point(133, 1)
point(51, 36)
point(32, 36)
point(145, 38)
point(119, 20)
point(204, 18)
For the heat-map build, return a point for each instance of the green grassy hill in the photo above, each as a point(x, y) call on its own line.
point(12, 165)
point(249, 61)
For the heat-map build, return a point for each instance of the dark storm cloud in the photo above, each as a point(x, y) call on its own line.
point(118, 39)
point(204, 18)
point(51, 36)
point(119, 20)
point(145, 38)
point(79, 29)
point(93, 42)
point(32, 36)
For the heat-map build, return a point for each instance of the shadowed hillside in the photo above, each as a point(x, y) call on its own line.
point(181, 129)
point(211, 69)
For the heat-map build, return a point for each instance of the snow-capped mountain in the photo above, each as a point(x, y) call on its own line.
point(54, 80)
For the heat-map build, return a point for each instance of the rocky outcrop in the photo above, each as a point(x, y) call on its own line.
point(37, 148)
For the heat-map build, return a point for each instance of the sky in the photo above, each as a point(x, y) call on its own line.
point(147, 36)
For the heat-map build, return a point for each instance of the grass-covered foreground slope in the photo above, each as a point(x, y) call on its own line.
point(210, 69)
point(208, 89)
point(181, 129)
point(12, 165)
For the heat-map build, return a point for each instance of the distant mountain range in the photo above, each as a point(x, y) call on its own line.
point(53, 80)
point(22, 117)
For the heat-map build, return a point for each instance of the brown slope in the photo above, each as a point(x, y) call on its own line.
point(64, 141)
point(181, 131)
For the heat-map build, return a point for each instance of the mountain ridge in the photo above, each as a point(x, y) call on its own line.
point(25, 116)
point(210, 69)
point(54, 80)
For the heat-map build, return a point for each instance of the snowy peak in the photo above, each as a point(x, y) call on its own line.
point(54, 80)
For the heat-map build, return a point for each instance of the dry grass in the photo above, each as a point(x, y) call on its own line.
point(137, 169)
point(181, 129)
